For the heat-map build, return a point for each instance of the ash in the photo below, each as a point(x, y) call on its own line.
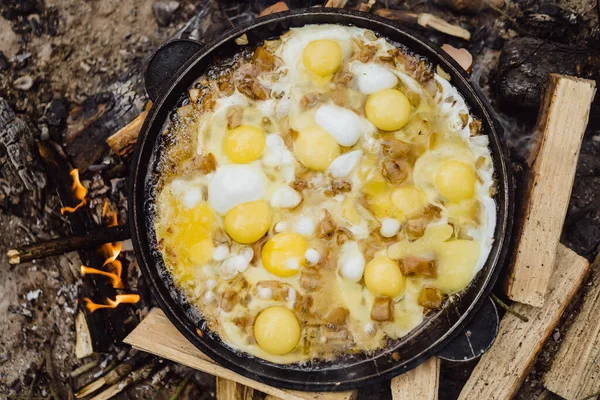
point(72, 73)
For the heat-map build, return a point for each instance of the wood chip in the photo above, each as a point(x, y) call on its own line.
point(503, 368)
point(461, 56)
point(123, 142)
point(563, 118)
point(575, 372)
point(420, 383)
point(431, 21)
point(275, 8)
point(156, 335)
point(336, 3)
point(231, 390)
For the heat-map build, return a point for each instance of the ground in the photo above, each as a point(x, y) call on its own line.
point(74, 49)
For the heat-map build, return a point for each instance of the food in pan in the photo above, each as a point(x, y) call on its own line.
point(321, 193)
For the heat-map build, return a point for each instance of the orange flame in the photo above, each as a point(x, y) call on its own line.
point(117, 283)
point(78, 190)
point(120, 298)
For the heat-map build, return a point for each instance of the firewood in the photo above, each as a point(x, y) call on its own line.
point(471, 6)
point(135, 376)
point(123, 142)
point(156, 335)
point(113, 375)
point(525, 63)
point(421, 383)
point(501, 370)
point(425, 20)
point(575, 372)
point(563, 118)
point(88, 241)
point(275, 8)
point(231, 390)
point(461, 56)
point(336, 3)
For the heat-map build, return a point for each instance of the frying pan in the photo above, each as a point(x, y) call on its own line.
point(171, 71)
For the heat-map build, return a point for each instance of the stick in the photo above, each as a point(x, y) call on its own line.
point(508, 308)
point(563, 118)
point(84, 368)
point(425, 20)
point(123, 141)
point(113, 376)
point(156, 334)
point(420, 383)
point(575, 371)
point(231, 390)
point(501, 370)
point(179, 389)
point(135, 376)
point(88, 241)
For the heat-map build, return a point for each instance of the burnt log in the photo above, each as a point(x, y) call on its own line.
point(525, 64)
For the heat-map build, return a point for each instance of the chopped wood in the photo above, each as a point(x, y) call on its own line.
point(420, 383)
point(336, 3)
point(425, 20)
point(461, 56)
point(156, 335)
point(123, 142)
point(135, 376)
point(113, 376)
point(563, 118)
point(88, 241)
point(366, 7)
point(231, 390)
point(84, 346)
point(275, 8)
point(84, 368)
point(501, 370)
point(575, 371)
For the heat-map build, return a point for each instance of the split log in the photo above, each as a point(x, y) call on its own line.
point(123, 142)
point(575, 371)
point(525, 63)
point(562, 122)
point(88, 241)
point(425, 20)
point(230, 390)
point(17, 138)
point(501, 370)
point(421, 383)
point(156, 335)
point(275, 8)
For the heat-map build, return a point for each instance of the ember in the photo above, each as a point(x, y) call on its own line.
point(78, 190)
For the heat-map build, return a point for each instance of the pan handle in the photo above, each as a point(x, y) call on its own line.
point(165, 62)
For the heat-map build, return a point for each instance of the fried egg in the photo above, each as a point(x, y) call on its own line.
point(321, 194)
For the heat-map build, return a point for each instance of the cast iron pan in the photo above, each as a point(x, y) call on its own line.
point(170, 72)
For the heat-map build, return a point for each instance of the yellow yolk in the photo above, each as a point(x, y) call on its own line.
point(322, 57)
point(244, 144)
point(277, 330)
point(388, 110)
point(316, 149)
point(383, 277)
point(409, 200)
point(283, 254)
point(455, 181)
point(247, 222)
point(456, 261)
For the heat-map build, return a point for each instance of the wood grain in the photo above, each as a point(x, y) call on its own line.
point(231, 390)
point(156, 335)
point(575, 371)
point(501, 370)
point(420, 383)
point(562, 122)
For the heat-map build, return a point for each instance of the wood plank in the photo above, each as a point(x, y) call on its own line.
point(157, 335)
point(563, 118)
point(501, 370)
point(420, 383)
point(575, 372)
point(231, 390)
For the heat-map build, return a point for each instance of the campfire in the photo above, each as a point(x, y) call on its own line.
point(509, 48)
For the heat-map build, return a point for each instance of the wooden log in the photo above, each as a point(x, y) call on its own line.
point(562, 122)
point(425, 20)
point(501, 370)
point(231, 390)
point(421, 383)
point(123, 142)
point(88, 241)
point(525, 63)
point(575, 371)
point(156, 335)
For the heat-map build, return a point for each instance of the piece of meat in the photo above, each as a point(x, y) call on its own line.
point(252, 89)
point(229, 299)
point(382, 309)
point(395, 148)
point(234, 117)
point(393, 171)
point(257, 249)
point(415, 228)
point(299, 185)
point(430, 298)
point(206, 163)
point(336, 318)
point(310, 278)
point(279, 290)
point(326, 226)
point(338, 187)
point(264, 59)
point(418, 266)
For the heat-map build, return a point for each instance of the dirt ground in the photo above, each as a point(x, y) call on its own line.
point(70, 50)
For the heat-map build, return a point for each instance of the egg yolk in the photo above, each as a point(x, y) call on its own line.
point(322, 57)
point(388, 110)
point(277, 330)
point(247, 222)
point(409, 200)
point(283, 254)
point(383, 277)
point(455, 181)
point(316, 149)
point(456, 261)
point(244, 144)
